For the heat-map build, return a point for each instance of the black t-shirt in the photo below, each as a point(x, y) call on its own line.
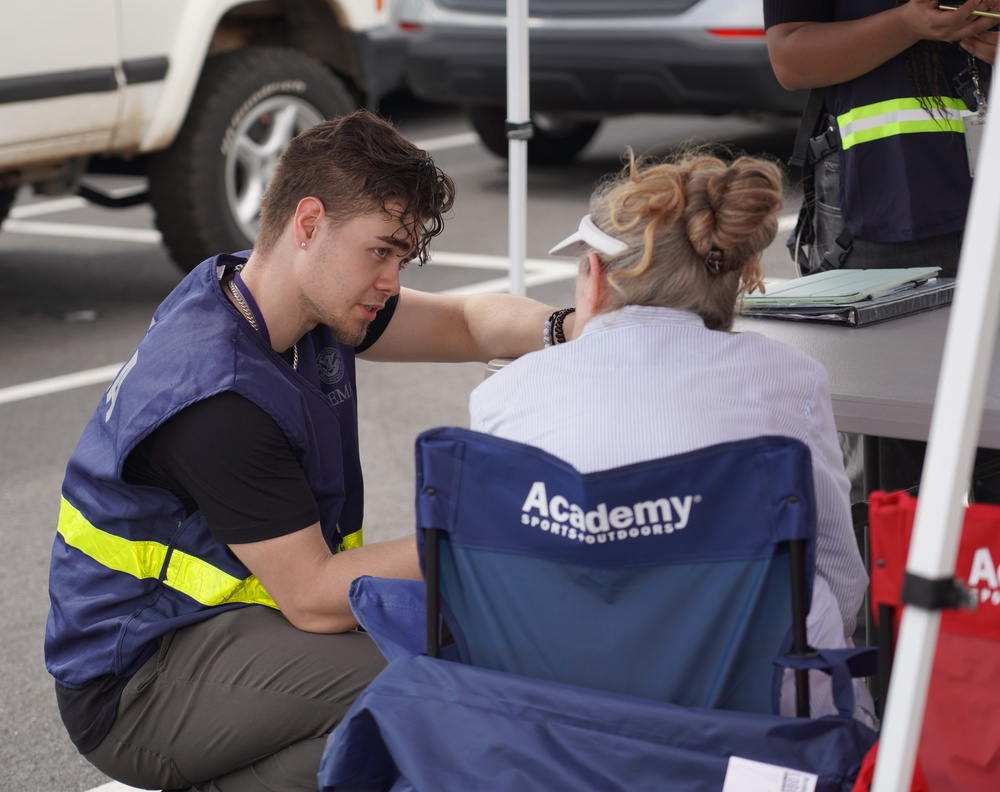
point(777, 12)
point(227, 457)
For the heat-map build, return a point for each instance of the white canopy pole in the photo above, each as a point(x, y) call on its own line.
point(954, 433)
point(518, 132)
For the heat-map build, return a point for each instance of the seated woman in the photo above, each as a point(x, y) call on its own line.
point(655, 369)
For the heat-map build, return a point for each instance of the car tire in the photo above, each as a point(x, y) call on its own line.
point(6, 201)
point(206, 188)
point(555, 141)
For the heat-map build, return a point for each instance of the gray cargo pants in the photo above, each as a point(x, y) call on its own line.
point(240, 702)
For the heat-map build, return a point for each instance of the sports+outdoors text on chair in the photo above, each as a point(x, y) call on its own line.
point(618, 629)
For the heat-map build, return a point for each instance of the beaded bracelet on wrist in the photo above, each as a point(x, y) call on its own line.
point(553, 333)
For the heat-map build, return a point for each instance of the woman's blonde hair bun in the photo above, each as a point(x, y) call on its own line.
point(696, 227)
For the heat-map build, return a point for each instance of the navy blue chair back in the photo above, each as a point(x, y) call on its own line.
point(670, 579)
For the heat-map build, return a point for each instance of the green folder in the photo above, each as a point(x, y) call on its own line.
point(838, 287)
point(854, 298)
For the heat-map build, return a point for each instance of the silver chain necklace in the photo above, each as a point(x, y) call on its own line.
point(241, 303)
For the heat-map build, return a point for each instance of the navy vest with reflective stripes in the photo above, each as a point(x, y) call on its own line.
point(904, 175)
point(127, 564)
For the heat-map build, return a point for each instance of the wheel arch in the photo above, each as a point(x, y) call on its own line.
point(199, 193)
point(320, 28)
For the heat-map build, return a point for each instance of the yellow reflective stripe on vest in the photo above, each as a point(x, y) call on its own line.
point(210, 586)
point(352, 540)
point(899, 117)
point(189, 575)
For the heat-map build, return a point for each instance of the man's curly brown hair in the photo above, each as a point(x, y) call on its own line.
point(357, 164)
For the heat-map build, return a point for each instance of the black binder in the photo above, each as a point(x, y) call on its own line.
point(921, 296)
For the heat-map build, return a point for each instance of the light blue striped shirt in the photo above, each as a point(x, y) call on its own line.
point(646, 382)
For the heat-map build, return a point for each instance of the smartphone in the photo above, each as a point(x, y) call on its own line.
point(992, 14)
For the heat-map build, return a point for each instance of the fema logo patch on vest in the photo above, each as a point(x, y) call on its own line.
point(331, 365)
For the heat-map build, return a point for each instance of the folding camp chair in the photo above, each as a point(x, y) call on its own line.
point(616, 629)
point(959, 747)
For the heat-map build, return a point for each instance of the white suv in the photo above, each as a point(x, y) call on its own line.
point(593, 58)
point(200, 95)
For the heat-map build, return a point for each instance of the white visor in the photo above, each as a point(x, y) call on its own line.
point(588, 235)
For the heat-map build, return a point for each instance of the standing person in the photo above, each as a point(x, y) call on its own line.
point(656, 371)
point(886, 169)
point(889, 166)
point(200, 634)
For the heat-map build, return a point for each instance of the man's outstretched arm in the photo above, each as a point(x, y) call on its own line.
point(310, 584)
point(453, 328)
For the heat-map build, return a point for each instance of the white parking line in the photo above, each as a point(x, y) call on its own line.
point(45, 387)
point(47, 207)
point(536, 278)
point(443, 142)
point(80, 231)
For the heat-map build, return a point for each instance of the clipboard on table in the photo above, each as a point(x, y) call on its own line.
point(853, 298)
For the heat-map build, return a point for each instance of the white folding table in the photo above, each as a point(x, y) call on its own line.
point(883, 377)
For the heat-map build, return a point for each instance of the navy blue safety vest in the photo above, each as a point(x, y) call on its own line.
point(904, 174)
point(128, 564)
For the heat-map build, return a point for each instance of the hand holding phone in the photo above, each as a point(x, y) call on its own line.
point(991, 14)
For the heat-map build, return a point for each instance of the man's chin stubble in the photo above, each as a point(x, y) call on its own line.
point(352, 337)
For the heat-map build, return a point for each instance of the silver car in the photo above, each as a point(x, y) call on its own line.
point(590, 59)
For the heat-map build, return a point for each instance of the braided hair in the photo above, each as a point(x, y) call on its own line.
point(926, 73)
